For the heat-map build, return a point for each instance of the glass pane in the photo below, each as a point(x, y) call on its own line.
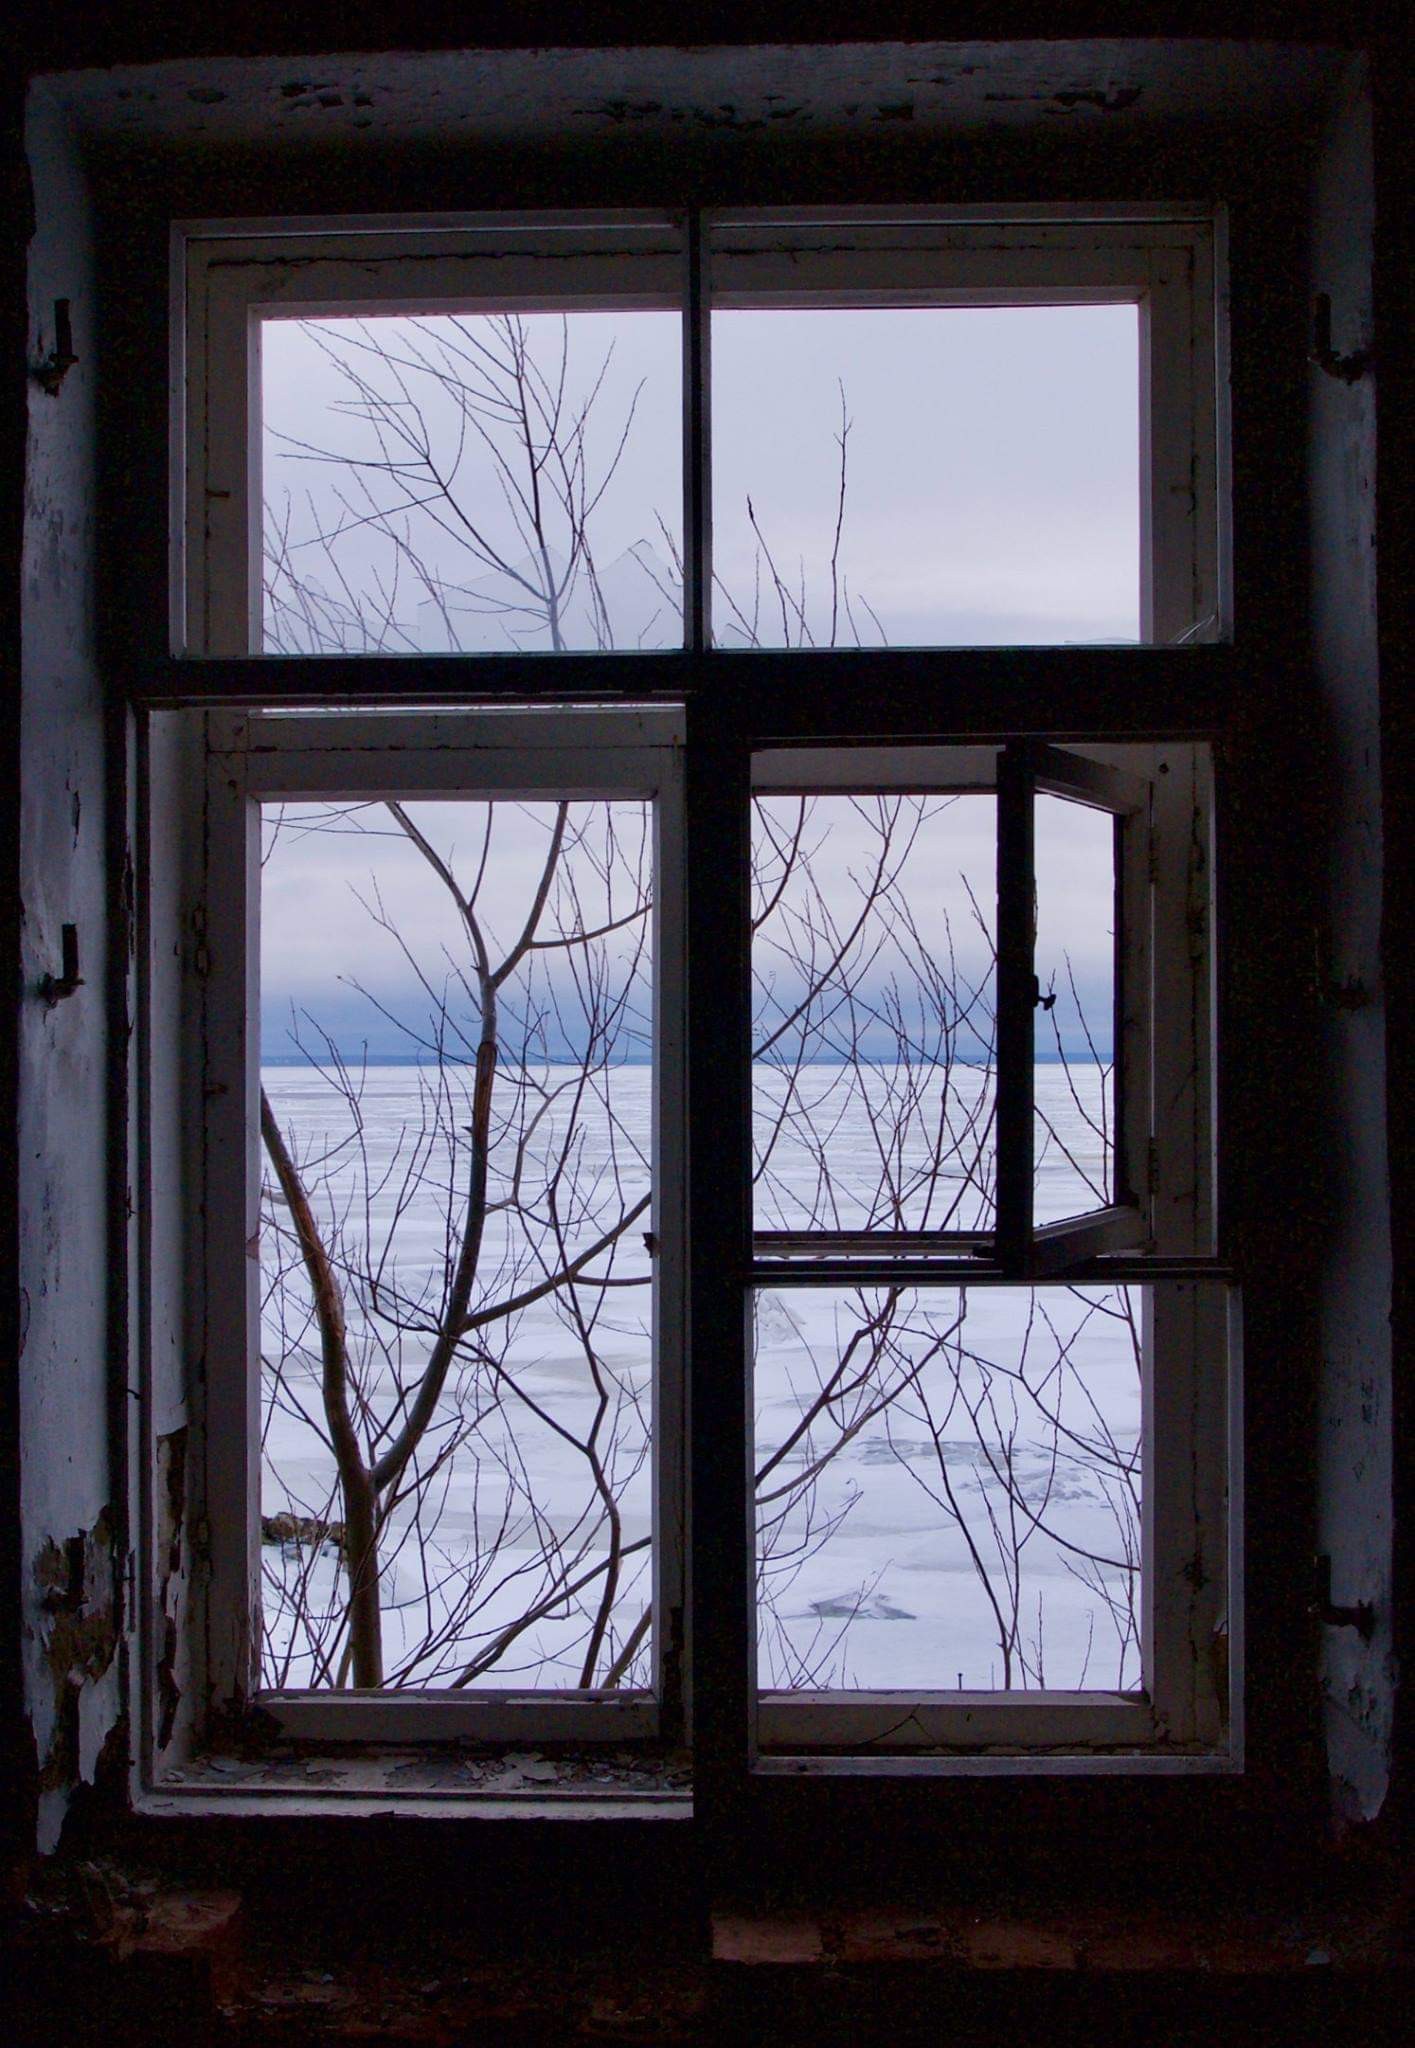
point(456, 1374)
point(472, 482)
point(926, 476)
point(873, 1023)
point(948, 1488)
point(1074, 1074)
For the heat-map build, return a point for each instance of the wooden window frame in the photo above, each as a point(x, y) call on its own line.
point(736, 702)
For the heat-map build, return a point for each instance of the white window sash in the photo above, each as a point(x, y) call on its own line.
point(1186, 1591)
point(232, 282)
point(1119, 780)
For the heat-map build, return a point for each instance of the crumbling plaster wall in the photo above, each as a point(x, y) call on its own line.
point(1354, 1469)
point(71, 1528)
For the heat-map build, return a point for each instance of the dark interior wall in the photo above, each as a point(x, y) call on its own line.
point(71, 1533)
point(1354, 1442)
point(1393, 108)
point(1319, 1348)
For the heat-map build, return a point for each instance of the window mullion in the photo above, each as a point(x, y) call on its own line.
point(1016, 991)
point(697, 444)
point(718, 979)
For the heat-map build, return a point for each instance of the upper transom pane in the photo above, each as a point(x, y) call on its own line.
point(948, 428)
point(436, 439)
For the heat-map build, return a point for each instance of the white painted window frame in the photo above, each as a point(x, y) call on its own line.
point(232, 279)
point(1162, 260)
point(531, 755)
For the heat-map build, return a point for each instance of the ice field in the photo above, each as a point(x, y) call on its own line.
point(950, 1485)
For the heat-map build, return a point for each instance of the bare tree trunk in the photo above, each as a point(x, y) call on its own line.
point(355, 1479)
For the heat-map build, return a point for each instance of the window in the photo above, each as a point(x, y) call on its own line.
point(974, 337)
point(644, 1029)
point(433, 1112)
point(565, 333)
point(955, 1454)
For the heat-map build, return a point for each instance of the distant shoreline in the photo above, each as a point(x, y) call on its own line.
point(362, 1059)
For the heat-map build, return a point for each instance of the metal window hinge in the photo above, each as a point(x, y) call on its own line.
point(1347, 368)
point(1351, 993)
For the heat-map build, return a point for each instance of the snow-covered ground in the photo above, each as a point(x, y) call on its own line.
point(977, 1528)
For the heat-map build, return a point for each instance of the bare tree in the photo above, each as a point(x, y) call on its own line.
point(420, 1379)
point(472, 469)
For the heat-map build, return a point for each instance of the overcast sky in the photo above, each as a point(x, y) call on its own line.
point(991, 476)
point(991, 498)
point(350, 910)
point(991, 480)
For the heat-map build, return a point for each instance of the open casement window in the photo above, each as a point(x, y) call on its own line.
point(989, 1384)
point(1113, 1203)
point(441, 1209)
point(959, 1175)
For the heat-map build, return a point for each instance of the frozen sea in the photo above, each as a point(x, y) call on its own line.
point(949, 1482)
